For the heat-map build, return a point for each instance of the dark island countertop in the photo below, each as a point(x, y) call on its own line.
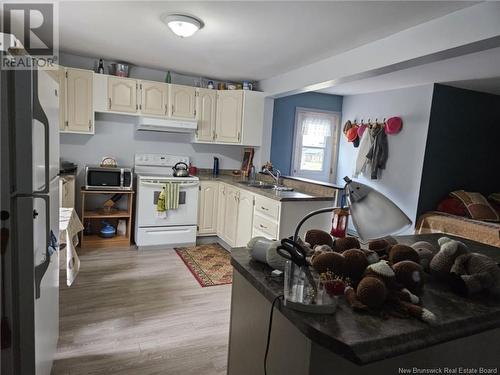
point(284, 196)
point(364, 338)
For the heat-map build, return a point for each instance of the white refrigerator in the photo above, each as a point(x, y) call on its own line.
point(29, 220)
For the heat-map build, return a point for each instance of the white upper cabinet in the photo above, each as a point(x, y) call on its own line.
point(122, 94)
point(228, 119)
point(154, 98)
point(76, 104)
point(183, 101)
point(205, 114)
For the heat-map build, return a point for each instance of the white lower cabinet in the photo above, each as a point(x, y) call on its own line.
point(67, 191)
point(226, 211)
point(245, 218)
point(208, 207)
point(230, 220)
point(236, 215)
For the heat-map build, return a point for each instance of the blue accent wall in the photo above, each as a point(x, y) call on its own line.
point(284, 123)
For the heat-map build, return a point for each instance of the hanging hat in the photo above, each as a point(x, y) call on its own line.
point(361, 130)
point(355, 143)
point(347, 126)
point(393, 125)
point(352, 134)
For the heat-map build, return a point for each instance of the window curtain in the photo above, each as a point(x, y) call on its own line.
point(316, 124)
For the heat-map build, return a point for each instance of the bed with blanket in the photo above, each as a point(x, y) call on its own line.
point(464, 214)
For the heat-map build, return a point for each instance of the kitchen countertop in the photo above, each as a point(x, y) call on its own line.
point(283, 196)
point(363, 338)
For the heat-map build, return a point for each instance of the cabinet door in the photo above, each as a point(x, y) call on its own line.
point(205, 114)
point(122, 94)
point(183, 101)
point(245, 218)
point(154, 98)
point(229, 116)
point(208, 207)
point(78, 91)
point(231, 216)
point(221, 210)
point(62, 98)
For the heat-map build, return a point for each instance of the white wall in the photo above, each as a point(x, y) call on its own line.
point(115, 135)
point(400, 181)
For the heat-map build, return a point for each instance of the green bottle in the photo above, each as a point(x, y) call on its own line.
point(168, 78)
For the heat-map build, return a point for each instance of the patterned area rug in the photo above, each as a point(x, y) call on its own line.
point(210, 264)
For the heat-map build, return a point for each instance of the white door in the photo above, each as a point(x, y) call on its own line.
point(205, 114)
point(229, 116)
point(147, 199)
point(245, 218)
point(231, 215)
point(183, 101)
point(122, 94)
point(207, 207)
point(79, 109)
point(154, 97)
point(315, 141)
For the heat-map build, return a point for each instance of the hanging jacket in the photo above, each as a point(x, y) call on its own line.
point(379, 151)
point(362, 163)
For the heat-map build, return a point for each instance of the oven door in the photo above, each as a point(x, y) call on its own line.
point(147, 198)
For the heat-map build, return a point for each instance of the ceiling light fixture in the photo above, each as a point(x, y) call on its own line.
point(182, 25)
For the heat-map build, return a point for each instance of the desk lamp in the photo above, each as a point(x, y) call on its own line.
point(373, 214)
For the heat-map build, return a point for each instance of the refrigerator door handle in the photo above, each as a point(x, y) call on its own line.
point(41, 268)
point(39, 114)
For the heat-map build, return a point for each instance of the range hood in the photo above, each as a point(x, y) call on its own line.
point(166, 125)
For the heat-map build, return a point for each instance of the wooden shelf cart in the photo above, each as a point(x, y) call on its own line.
point(94, 216)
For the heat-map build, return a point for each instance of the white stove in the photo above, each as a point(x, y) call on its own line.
point(177, 227)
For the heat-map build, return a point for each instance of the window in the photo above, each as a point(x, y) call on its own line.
point(315, 144)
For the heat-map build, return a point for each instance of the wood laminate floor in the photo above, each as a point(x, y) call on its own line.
point(142, 313)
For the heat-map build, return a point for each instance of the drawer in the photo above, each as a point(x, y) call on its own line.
point(267, 207)
point(263, 225)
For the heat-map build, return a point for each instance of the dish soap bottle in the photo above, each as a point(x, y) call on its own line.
point(168, 77)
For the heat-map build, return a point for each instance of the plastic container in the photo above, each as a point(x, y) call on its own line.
point(304, 291)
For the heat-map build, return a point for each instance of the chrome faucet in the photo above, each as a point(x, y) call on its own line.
point(275, 175)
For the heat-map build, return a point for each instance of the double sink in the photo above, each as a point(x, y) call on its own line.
point(264, 185)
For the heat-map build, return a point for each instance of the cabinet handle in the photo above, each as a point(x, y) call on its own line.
point(109, 102)
point(172, 110)
point(262, 226)
point(265, 209)
point(90, 124)
point(166, 109)
point(136, 107)
point(66, 123)
point(195, 113)
point(239, 136)
point(214, 135)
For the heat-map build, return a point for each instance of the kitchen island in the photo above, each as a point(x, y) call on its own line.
point(465, 338)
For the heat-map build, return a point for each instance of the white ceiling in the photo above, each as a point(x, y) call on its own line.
point(476, 71)
point(240, 40)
